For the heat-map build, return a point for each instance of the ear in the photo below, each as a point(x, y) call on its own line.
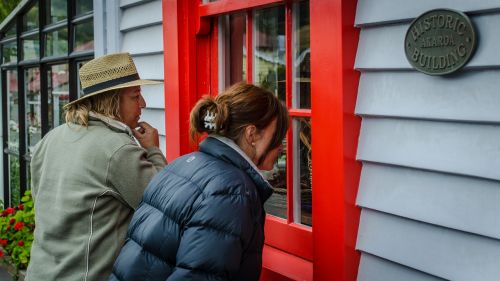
point(250, 134)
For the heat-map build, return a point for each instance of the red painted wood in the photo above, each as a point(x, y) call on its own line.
point(214, 59)
point(335, 131)
point(283, 266)
point(295, 112)
point(231, 6)
point(182, 70)
point(293, 238)
point(288, 94)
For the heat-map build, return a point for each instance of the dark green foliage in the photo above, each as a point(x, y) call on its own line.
point(6, 7)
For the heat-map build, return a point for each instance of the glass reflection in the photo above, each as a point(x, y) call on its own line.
point(302, 171)
point(269, 50)
point(9, 52)
point(33, 107)
point(57, 43)
point(84, 6)
point(58, 89)
point(14, 180)
point(57, 10)
point(84, 36)
point(31, 48)
point(233, 49)
point(276, 205)
point(12, 111)
point(301, 56)
point(30, 19)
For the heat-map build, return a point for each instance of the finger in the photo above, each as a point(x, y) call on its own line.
point(145, 125)
point(137, 134)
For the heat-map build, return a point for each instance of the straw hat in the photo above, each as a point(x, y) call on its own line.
point(110, 72)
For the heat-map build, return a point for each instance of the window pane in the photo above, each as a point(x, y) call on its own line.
point(9, 52)
point(14, 180)
point(269, 50)
point(12, 31)
point(13, 111)
point(302, 171)
point(33, 107)
point(57, 43)
point(83, 6)
point(84, 36)
point(58, 89)
point(30, 19)
point(31, 48)
point(78, 66)
point(301, 56)
point(233, 49)
point(276, 204)
point(57, 10)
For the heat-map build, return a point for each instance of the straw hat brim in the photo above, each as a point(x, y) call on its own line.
point(134, 83)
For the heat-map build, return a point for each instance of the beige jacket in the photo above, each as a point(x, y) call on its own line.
point(86, 183)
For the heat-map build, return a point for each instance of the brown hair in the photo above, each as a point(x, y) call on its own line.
point(237, 107)
point(107, 104)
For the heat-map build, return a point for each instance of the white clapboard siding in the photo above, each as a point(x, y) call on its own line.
point(378, 269)
point(414, 95)
point(437, 198)
point(435, 250)
point(382, 47)
point(153, 95)
point(371, 12)
point(144, 40)
point(141, 16)
point(458, 148)
point(430, 149)
point(150, 66)
point(155, 117)
point(142, 36)
point(131, 3)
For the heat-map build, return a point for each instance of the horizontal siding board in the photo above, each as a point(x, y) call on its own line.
point(442, 199)
point(163, 143)
point(371, 12)
point(155, 117)
point(383, 47)
point(473, 96)
point(372, 268)
point(135, 16)
point(130, 3)
point(153, 95)
point(144, 40)
point(150, 66)
point(458, 148)
point(438, 251)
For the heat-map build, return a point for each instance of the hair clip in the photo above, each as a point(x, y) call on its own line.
point(209, 120)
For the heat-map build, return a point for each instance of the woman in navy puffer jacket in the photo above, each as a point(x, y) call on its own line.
point(202, 217)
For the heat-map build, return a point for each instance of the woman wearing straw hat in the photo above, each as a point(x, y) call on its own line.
point(88, 175)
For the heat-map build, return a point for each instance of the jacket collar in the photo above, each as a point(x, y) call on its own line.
point(228, 151)
point(113, 124)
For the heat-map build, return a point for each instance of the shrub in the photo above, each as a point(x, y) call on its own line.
point(16, 231)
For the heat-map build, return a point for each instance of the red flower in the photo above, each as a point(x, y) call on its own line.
point(21, 207)
point(10, 210)
point(1, 254)
point(19, 226)
point(12, 221)
point(20, 243)
point(3, 242)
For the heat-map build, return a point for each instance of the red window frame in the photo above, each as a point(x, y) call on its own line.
point(190, 53)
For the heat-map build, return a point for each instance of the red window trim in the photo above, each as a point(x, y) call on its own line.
point(231, 6)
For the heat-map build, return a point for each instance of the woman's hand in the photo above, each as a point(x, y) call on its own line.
point(146, 135)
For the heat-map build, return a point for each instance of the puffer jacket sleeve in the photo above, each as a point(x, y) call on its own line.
point(130, 170)
point(215, 238)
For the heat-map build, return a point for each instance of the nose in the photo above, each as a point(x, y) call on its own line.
point(142, 102)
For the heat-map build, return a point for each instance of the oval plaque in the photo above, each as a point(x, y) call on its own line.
point(440, 42)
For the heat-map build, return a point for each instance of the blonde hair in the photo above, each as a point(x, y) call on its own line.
point(107, 104)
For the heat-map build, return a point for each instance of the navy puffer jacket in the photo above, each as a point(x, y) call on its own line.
point(201, 218)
